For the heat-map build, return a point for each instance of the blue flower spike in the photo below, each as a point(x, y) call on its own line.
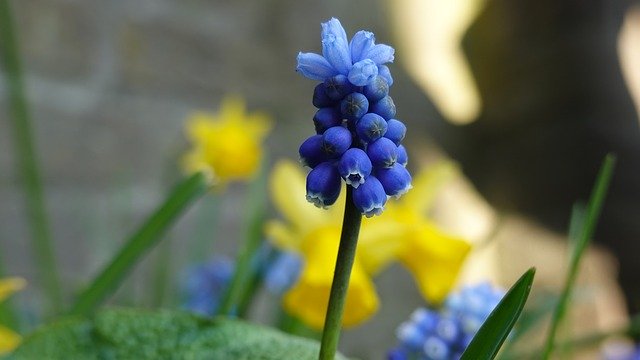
point(365, 150)
point(442, 334)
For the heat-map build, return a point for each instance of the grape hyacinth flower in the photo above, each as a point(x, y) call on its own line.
point(357, 133)
point(445, 334)
point(206, 284)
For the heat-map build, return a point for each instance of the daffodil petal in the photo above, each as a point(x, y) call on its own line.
point(10, 285)
point(309, 298)
point(434, 259)
point(287, 185)
point(282, 236)
point(426, 185)
point(9, 340)
point(232, 109)
point(379, 243)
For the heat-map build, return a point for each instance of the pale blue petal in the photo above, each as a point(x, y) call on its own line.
point(333, 27)
point(314, 66)
point(361, 42)
point(380, 54)
point(336, 50)
point(363, 72)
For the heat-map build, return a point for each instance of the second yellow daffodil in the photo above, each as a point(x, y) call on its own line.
point(227, 145)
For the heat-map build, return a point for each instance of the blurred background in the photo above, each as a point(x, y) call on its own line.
point(525, 96)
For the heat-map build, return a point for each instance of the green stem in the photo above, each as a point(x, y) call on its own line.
point(594, 208)
point(340, 285)
point(239, 283)
point(27, 162)
point(142, 241)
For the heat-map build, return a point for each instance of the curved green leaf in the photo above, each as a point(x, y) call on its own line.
point(489, 339)
point(146, 334)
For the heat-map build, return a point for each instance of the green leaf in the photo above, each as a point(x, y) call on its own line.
point(583, 236)
point(166, 334)
point(494, 331)
point(147, 236)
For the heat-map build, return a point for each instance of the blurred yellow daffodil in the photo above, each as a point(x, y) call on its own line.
point(227, 145)
point(403, 233)
point(9, 340)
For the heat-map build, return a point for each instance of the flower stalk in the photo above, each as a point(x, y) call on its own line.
point(342, 274)
point(27, 160)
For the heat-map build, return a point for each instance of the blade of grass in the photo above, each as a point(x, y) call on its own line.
point(488, 340)
point(594, 207)
point(141, 242)
point(27, 162)
point(256, 206)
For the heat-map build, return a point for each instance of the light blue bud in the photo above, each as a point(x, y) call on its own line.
point(354, 167)
point(314, 66)
point(370, 197)
point(323, 185)
point(336, 51)
point(360, 44)
point(363, 72)
point(380, 54)
point(334, 27)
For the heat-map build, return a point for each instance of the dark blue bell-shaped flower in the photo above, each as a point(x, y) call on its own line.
point(323, 185)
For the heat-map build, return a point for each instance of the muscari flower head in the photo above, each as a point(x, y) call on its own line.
point(226, 145)
point(404, 234)
point(205, 284)
point(446, 333)
point(9, 340)
point(355, 112)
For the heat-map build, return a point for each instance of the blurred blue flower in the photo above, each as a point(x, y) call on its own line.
point(621, 351)
point(354, 87)
point(445, 334)
point(283, 272)
point(205, 284)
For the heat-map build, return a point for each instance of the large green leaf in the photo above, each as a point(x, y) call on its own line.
point(489, 339)
point(145, 334)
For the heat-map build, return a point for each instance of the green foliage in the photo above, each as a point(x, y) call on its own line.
point(144, 334)
point(487, 342)
point(583, 224)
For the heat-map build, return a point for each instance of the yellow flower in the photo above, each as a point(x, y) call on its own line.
point(9, 340)
point(227, 145)
point(402, 233)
